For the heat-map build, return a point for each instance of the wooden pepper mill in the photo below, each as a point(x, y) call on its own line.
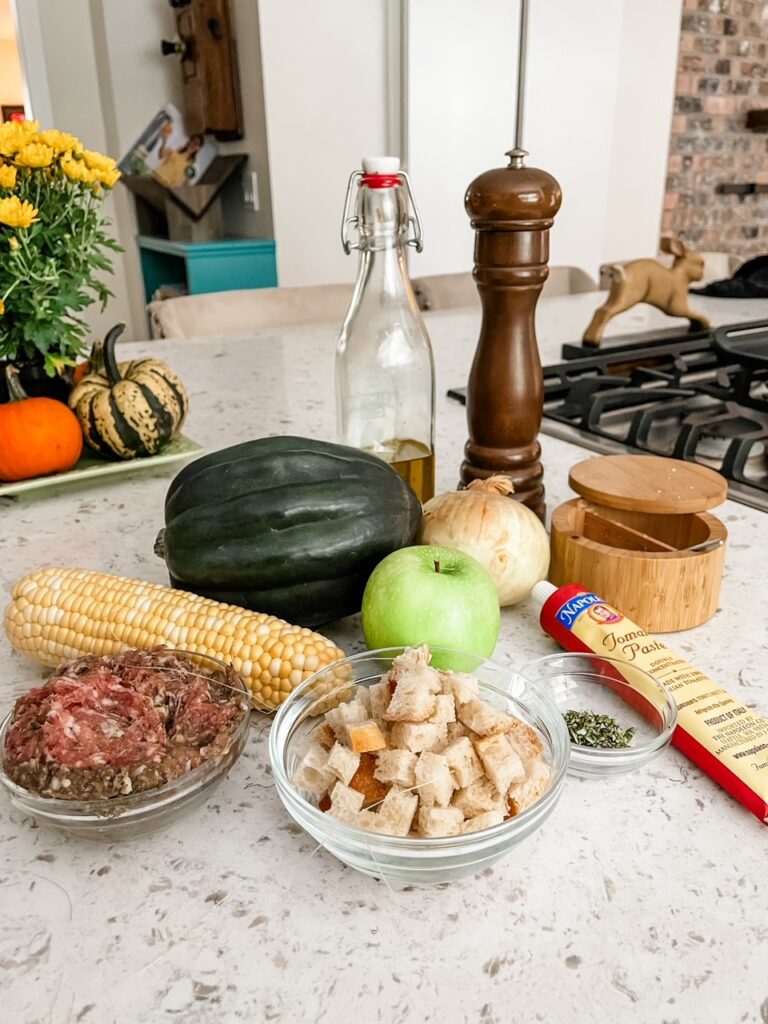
point(511, 209)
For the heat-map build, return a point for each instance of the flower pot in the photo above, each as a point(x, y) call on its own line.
point(34, 380)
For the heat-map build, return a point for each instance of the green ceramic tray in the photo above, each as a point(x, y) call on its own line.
point(92, 467)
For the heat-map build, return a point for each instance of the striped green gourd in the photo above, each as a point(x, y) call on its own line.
point(128, 410)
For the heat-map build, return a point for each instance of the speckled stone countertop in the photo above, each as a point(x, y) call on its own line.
point(643, 898)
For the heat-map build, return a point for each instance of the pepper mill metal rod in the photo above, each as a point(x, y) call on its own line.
point(522, 57)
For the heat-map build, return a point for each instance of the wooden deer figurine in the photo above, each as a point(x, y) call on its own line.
point(649, 281)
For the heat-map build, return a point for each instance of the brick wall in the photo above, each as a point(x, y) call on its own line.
point(722, 73)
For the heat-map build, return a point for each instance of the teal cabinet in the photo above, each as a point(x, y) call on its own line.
point(207, 266)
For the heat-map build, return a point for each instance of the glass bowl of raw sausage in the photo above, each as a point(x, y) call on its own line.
point(117, 747)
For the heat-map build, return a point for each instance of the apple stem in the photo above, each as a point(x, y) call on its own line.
point(437, 567)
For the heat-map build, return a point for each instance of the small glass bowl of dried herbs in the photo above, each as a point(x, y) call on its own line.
point(618, 716)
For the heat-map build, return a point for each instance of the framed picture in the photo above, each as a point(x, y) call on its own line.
point(12, 113)
point(166, 151)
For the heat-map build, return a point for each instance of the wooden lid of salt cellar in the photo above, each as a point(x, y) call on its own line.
point(648, 483)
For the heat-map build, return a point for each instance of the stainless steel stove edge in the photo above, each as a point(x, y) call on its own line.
point(553, 428)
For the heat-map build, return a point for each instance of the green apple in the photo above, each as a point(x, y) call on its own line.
point(438, 596)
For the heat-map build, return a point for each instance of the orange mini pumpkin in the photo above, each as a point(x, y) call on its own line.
point(37, 435)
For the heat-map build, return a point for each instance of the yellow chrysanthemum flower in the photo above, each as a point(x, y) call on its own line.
point(98, 162)
point(17, 213)
point(107, 178)
point(12, 137)
point(60, 142)
point(16, 134)
point(35, 154)
point(2, 307)
point(75, 169)
point(7, 176)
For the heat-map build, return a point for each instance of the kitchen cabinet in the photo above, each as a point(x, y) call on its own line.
point(199, 267)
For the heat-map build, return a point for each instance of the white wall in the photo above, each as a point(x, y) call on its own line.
point(599, 93)
point(462, 86)
point(239, 220)
point(325, 95)
point(598, 102)
point(641, 127)
point(571, 93)
point(134, 82)
point(600, 90)
point(11, 83)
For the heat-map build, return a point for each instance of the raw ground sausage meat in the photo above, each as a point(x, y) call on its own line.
point(103, 727)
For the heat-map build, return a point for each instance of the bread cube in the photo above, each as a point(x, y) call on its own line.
point(372, 821)
point(345, 803)
point(445, 709)
point(324, 735)
point(478, 797)
point(418, 736)
point(463, 761)
point(536, 783)
point(395, 767)
point(363, 695)
point(312, 776)
point(413, 666)
point(456, 730)
point(346, 714)
point(398, 810)
point(526, 741)
point(365, 736)
point(500, 761)
point(411, 702)
point(439, 821)
point(484, 719)
point(343, 762)
point(460, 686)
point(379, 695)
point(434, 782)
point(486, 820)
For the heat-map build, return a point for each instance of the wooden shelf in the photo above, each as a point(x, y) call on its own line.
point(757, 120)
point(741, 188)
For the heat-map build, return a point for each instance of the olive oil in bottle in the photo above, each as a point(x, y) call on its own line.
point(414, 462)
point(385, 374)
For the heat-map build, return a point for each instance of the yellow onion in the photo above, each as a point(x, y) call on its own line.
point(501, 533)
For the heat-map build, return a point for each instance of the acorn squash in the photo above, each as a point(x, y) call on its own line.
point(285, 525)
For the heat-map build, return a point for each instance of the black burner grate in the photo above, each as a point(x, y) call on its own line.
point(690, 399)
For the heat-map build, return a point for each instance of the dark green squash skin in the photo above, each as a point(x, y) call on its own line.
point(286, 525)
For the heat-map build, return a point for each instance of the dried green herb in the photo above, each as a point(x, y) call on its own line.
point(587, 729)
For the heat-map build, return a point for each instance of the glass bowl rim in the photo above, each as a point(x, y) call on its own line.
point(554, 731)
point(622, 754)
point(131, 803)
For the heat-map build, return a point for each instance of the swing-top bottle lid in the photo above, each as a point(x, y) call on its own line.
point(381, 171)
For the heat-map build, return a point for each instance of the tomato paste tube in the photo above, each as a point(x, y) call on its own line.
point(718, 733)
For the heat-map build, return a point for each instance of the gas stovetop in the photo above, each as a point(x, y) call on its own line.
point(703, 398)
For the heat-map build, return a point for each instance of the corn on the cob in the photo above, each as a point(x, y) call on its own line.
point(58, 614)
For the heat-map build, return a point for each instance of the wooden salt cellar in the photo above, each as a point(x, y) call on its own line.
point(639, 536)
point(511, 209)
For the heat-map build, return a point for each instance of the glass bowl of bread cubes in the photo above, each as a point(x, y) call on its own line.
point(418, 766)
